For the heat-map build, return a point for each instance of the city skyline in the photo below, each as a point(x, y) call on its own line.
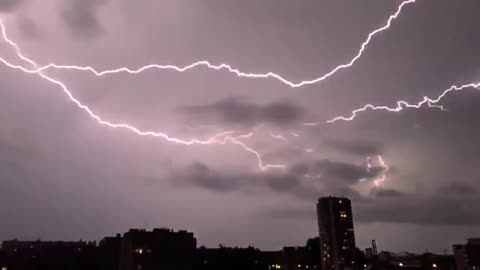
point(240, 160)
point(140, 249)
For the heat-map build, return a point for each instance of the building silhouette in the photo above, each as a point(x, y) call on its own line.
point(109, 249)
point(337, 238)
point(157, 249)
point(467, 256)
point(48, 255)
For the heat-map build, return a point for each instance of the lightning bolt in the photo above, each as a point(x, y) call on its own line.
point(402, 104)
point(278, 137)
point(220, 138)
point(236, 71)
point(382, 179)
point(385, 167)
point(227, 136)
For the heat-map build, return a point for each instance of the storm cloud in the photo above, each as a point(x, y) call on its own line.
point(9, 5)
point(72, 177)
point(81, 17)
point(306, 181)
point(241, 111)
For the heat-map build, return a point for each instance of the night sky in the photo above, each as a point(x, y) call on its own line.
point(65, 176)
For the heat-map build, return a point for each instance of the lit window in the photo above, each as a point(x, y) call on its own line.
point(400, 264)
point(299, 266)
point(4, 268)
point(139, 251)
point(340, 201)
point(434, 265)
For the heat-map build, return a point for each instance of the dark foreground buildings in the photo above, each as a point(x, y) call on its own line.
point(157, 249)
point(467, 256)
point(333, 249)
point(32, 255)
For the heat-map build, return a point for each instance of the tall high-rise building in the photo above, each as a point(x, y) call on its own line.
point(337, 238)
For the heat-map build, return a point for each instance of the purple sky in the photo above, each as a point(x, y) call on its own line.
point(64, 176)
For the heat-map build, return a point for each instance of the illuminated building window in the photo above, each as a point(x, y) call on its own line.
point(4, 268)
point(139, 251)
point(343, 214)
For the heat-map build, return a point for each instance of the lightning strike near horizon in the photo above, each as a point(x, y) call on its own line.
point(220, 138)
point(236, 71)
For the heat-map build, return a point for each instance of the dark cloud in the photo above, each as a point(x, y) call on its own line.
point(201, 175)
point(382, 192)
point(9, 5)
point(355, 147)
point(28, 27)
point(81, 17)
point(342, 172)
point(236, 110)
point(306, 181)
point(458, 188)
point(423, 210)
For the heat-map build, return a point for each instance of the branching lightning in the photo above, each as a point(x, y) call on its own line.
point(230, 136)
point(236, 71)
point(220, 138)
point(401, 105)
